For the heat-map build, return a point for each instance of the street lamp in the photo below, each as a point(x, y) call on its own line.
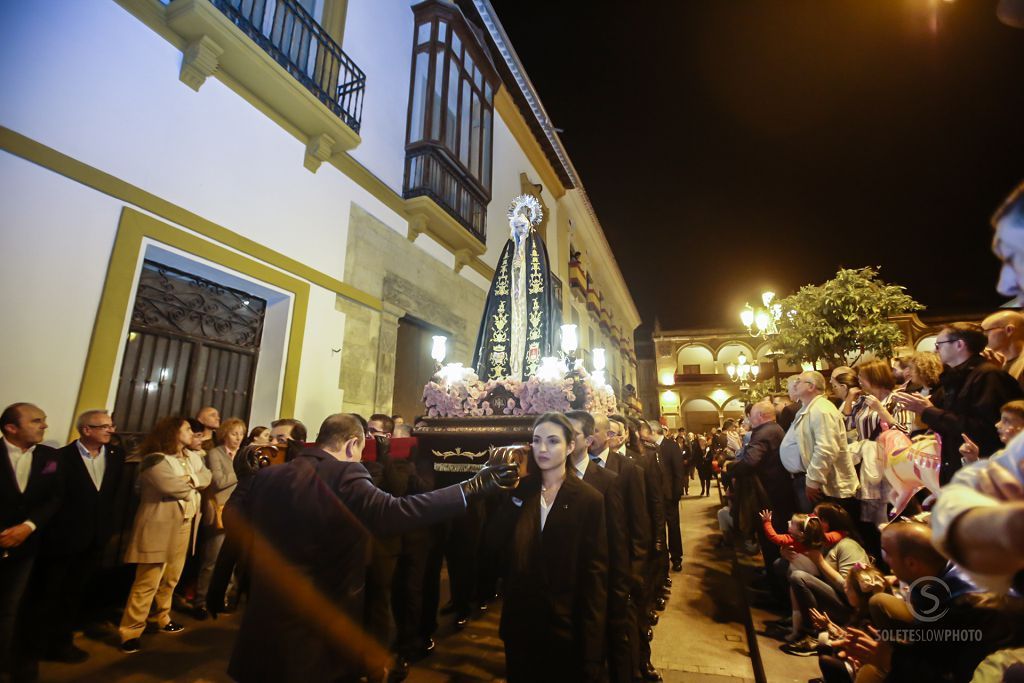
point(742, 372)
point(762, 322)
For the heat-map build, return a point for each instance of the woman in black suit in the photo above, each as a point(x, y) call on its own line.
point(705, 456)
point(551, 534)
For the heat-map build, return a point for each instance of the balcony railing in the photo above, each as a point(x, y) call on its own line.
point(289, 34)
point(428, 173)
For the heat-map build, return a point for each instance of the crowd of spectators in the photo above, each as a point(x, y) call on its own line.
point(932, 593)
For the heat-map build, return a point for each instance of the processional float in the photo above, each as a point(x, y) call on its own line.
point(518, 371)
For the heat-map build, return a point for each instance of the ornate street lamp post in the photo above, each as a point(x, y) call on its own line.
point(763, 322)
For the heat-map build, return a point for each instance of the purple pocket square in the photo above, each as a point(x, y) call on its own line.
point(50, 468)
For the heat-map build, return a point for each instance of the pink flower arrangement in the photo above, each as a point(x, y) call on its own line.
point(467, 397)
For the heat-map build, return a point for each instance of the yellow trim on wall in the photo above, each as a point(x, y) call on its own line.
point(105, 347)
point(506, 107)
point(47, 157)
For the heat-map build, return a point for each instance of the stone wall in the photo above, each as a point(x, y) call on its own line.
point(410, 282)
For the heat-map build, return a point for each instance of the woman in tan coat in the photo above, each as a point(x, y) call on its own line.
point(220, 460)
point(170, 478)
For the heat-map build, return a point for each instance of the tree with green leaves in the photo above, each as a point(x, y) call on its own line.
point(841, 320)
point(763, 389)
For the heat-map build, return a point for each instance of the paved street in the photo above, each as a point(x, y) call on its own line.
point(701, 637)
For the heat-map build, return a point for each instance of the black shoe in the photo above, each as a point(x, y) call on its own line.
point(650, 634)
point(668, 581)
point(400, 671)
point(650, 673)
point(172, 627)
point(654, 618)
point(200, 614)
point(804, 647)
point(448, 607)
point(461, 621)
point(677, 565)
point(426, 646)
point(659, 604)
point(68, 654)
point(131, 646)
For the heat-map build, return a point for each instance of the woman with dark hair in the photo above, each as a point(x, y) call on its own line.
point(846, 388)
point(259, 436)
point(704, 459)
point(170, 478)
point(834, 518)
point(550, 533)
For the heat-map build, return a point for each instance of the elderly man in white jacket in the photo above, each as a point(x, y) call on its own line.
point(814, 449)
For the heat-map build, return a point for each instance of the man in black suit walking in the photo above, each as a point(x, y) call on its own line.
point(621, 634)
point(656, 567)
point(305, 527)
point(672, 467)
point(631, 484)
point(630, 481)
point(72, 546)
point(30, 490)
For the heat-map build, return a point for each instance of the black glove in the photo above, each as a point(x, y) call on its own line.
point(491, 478)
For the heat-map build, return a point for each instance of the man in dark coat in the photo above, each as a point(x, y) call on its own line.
point(672, 467)
point(974, 391)
point(631, 484)
point(31, 483)
point(760, 458)
point(621, 628)
point(73, 544)
point(656, 570)
point(306, 527)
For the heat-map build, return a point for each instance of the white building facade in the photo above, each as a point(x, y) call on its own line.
point(269, 206)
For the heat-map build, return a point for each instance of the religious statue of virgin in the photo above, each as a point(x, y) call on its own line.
point(521, 316)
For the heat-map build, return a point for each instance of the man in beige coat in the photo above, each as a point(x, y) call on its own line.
point(814, 449)
point(169, 512)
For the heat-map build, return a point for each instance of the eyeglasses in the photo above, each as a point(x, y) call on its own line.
point(946, 341)
point(108, 427)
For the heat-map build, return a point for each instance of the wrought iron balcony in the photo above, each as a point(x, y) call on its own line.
point(289, 34)
point(429, 173)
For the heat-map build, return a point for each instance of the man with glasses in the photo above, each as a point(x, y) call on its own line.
point(73, 544)
point(289, 434)
point(814, 449)
point(974, 391)
point(1005, 332)
point(380, 424)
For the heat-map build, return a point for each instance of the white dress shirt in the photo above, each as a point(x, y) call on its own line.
point(95, 466)
point(789, 452)
point(544, 510)
point(581, 468)
point(21, 463)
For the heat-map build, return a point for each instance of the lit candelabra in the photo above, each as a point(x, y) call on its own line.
point(742, 372)
point(762, 322)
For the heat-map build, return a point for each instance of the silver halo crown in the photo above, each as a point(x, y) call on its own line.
point(526, 204)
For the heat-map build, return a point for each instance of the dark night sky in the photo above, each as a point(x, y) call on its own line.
point(733, 146)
